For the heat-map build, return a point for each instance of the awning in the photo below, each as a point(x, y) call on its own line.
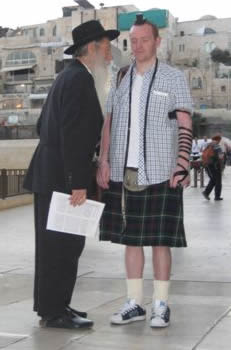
point(14, 68)
point(53, 44)
point(37, 96)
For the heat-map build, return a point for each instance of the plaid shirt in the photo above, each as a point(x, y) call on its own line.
point(169, 92)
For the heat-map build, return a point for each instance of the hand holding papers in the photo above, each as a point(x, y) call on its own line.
point(81, 220)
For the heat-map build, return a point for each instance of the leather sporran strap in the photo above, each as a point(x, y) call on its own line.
point(131, 181)
point(131, 184)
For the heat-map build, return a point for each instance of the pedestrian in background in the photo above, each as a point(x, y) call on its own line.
point(225, 147)
point(204, 143)
point(214, 170)
point(195, 149)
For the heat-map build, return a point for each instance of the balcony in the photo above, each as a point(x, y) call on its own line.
point(22, 78)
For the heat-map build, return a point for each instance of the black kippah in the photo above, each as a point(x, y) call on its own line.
point(140, 19)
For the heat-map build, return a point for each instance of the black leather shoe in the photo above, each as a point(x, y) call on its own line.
point(67, 322)
point(218, 199)
point(76, 312)
point(205, 195)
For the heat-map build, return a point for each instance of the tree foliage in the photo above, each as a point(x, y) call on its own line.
point(3, 31)
point(221, 56)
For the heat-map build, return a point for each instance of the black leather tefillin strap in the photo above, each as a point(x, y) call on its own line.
point(173, 114)
point(185, 145)
point(180, 156)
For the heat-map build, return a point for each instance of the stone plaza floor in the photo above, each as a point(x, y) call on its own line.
point(200, 294)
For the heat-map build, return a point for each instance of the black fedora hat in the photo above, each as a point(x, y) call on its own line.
point(87, 32)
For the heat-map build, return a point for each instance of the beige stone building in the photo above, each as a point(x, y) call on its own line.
point(31, 56)
point(193, 44)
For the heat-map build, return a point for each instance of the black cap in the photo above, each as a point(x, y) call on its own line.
point(140, 19)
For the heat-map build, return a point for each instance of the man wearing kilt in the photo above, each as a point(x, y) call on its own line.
point(143, 167)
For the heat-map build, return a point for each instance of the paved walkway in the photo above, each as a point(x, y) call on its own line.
point(200, 291)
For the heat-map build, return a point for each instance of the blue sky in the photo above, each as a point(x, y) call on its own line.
point(15, 13)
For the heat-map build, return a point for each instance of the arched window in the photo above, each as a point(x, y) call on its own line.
point(181, 47)
point(20, 58)
point(196, 83)
point(212, 46)
point(208, 30)
point(54, 31)
point(207, 47)
point(42, 32)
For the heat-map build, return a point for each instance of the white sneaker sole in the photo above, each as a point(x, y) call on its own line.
point(134, 319)
point(163, 325)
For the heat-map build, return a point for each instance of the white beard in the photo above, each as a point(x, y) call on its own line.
point(102, 83)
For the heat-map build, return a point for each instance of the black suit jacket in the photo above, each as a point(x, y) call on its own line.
point(69, 128)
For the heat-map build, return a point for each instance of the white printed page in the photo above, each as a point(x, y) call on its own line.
point(81, 220)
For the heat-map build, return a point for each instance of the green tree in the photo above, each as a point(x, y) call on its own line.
point(3, 31)
point(221, 56)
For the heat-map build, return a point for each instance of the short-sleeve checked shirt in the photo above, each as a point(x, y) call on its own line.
point(169, 92)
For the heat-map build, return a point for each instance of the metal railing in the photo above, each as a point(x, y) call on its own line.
point(11, 182)
point(13, 132)
point(198, 172)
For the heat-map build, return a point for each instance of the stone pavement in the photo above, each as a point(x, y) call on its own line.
point(200, 297)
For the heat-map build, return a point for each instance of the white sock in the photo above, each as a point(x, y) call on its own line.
point(160, 291)
point(135, 290)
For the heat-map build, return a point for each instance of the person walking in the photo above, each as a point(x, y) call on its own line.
point(204, 143)
point(143, 167)
point(195, 149)
point(214, 170)
point(69, 128)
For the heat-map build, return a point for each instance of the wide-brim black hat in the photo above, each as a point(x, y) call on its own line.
point(87, 32)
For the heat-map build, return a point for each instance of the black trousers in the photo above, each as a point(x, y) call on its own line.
point(214, 172)
point(56, 263)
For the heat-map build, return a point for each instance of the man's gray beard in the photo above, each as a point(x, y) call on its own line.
point(101, 78)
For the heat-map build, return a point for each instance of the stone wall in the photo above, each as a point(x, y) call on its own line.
point(16, 154)
point(16, 201)
point(217, 120)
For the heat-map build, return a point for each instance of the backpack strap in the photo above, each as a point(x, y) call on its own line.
point(121, 73)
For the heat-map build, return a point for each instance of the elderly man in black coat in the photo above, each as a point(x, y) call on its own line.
point(69, 128)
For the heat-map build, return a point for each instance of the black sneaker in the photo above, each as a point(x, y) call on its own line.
point(160, 315)
point(205, 195)
point(130, 312)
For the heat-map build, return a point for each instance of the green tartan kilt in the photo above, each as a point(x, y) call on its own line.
point(154, 216)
